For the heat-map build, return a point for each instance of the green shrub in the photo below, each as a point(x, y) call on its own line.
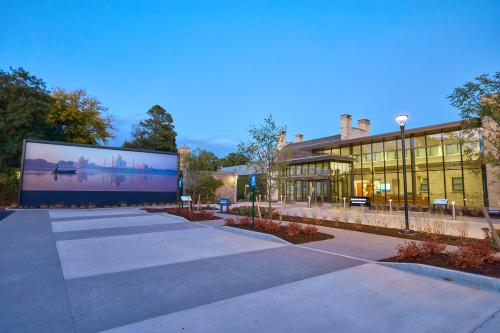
point(9, 186)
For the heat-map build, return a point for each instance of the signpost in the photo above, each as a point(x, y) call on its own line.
point(179, 185)
point(253, 185)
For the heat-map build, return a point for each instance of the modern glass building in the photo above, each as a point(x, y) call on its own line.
point(355, 163)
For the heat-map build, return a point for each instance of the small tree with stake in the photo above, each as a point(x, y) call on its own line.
point(265, 156)
point(479, 105)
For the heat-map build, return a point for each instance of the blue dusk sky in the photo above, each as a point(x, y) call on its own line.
point(220, 66)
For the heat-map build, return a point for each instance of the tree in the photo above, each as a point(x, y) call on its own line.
point(207, 186)
point(154, 133)
point(24, 106)
point(79, 118)
point(198, 164)
point(479, 105)
point(233, 159)
point(266, 157)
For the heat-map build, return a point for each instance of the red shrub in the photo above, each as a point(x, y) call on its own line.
point(416, 251)
point(310, 230)
point(206, 215)
point(247, 221)
point(273, 227)
point(408, 251)
point(230, 221)
point(261, 224)
point(293, 229)
point(472, 255)
point(432, 247)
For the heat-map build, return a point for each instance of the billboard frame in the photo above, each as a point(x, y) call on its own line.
point(61, 143)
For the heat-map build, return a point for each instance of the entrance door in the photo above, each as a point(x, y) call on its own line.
point(340, 188)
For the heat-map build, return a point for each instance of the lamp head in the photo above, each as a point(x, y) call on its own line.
point(401, 119)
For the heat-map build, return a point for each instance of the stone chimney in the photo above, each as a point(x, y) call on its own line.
point(281, 139)
point(183, 152)
point(364, 125)
point(299, 138)
point(345, 126)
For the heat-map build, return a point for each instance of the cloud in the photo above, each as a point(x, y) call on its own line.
point(220, 146)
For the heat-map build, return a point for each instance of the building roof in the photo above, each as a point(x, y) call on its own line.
point(336, 141)
point(299, 152)
point(239, 170)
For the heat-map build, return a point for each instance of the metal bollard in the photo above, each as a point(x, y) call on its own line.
point(344, 201)
point(454, 216)
point(390, 205)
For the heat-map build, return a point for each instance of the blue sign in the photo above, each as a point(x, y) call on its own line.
point(180, 182)
point(224, 202)
point(253, 180)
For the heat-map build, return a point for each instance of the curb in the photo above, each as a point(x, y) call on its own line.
point(254, 234)
point(464, 278)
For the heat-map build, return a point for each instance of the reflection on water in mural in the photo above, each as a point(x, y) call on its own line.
point(90, 180)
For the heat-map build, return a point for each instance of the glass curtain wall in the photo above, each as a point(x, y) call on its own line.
point(438, 166)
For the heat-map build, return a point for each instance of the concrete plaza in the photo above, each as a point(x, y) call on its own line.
point(123, 270)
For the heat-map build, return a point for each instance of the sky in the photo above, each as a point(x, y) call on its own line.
point(221, 66)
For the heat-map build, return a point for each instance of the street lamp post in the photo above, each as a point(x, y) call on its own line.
point(401, 120)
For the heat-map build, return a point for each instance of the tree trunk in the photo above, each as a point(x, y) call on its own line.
point(493, 230)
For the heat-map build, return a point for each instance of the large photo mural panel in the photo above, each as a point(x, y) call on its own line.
point(61, 168)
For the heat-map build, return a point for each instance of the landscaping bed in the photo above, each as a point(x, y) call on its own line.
point(442, 260)
point(191, 215)
point(378, 230)
point(293, 233)
point(479, 258)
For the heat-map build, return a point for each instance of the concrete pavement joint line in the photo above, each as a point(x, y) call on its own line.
point(65, 287)
point(94, 217)
point(110, 222)
point(336, 254)
point(487, 320)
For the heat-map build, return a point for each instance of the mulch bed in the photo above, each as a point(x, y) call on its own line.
point(392, 232)
point(192, 216)
point(299, 239)
point(441, 260)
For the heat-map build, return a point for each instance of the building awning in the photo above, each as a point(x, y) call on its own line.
point(320, 158)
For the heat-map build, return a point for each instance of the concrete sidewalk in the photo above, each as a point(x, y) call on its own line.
point(134, 272)
point(352, 243)
point(367, 298)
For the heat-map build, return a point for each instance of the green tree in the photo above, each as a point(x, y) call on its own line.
point(197, 165)
point(478, 102)
point(207, 186)
point(79, 117)
point(233, 159)
point(24, 106)
point(154, 133)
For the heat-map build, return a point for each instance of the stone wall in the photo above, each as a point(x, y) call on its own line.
point(227, 190)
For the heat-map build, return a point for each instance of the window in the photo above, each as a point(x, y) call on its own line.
point(457, 184)
point(420, 152)
point(424, 185)
point(452, 149)
point(391, 155)
point(434, 151)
